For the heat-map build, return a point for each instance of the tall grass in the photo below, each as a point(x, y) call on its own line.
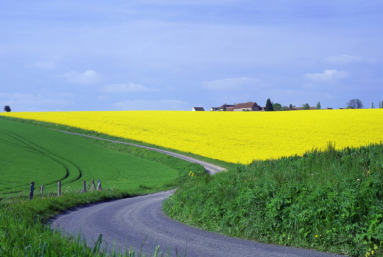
point(328, 201)
point(24, 229)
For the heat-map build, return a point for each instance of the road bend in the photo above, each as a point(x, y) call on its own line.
point(140, 221)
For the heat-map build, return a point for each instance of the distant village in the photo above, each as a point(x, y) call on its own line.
point(251, 107)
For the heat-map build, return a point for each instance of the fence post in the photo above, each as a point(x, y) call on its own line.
point(59, 189)
point(99, 185)
point(84, 186)
point(32, 189)
point(94, 186)
point(42, 190)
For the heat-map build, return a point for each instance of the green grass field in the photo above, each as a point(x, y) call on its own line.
point(33, 153)
point(329, 201)
point(45, 156)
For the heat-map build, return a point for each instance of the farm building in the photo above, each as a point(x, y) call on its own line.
point(214, 109)
point(225, 106)
point(198, 109)
point(253, 106)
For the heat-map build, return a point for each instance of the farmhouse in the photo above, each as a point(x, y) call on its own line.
point(198, 109)
point(225, 106)
point(214, 109)
point(247, 107)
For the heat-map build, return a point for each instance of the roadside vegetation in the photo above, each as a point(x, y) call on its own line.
point(327, 200)
point(36, 153)
point(24, 230)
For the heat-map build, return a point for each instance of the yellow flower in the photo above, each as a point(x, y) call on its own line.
point(252, 135)
point(316, 235)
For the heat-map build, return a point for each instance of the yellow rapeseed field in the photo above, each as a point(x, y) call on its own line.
point(230, 136)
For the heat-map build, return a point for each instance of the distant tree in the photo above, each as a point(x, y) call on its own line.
point(372, 105)
point(7, 108)
point(277, 106)
point(269, 105)
point(380, 104)
point(355, 104)
point(284, 108)
point(224, 108)
point(318, 107)
point(306, 107)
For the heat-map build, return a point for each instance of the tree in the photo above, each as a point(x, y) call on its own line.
point(7, 108)
point(380, 104)
point(318, 107)
point(306, 107)
point(269, 105)
point(224, 108)
point(277, 106)
point(372, 105)
point(284, 108)
point(355, 104)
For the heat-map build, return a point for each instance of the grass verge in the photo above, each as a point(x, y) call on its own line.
point(23, 229)
point(327, 201)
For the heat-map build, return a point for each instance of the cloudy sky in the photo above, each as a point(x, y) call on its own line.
point(175, 54)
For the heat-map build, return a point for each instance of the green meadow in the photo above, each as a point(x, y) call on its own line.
point(45, 156)
point(33, 153)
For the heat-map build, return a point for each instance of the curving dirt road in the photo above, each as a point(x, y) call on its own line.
point(127, 222)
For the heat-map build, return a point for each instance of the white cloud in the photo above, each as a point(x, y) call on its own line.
point(44, 65)
point(128, 88)
point(234, 84)
point(87, 77)
point(327, 75)
point(151, 105)
point(348, 59)
point(29, 99)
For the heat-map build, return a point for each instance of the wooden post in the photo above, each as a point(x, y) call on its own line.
point(94, 186)
point(99, 185)
point(59, 189)
point(42, 190)
point(84, 186)
point(32, 189)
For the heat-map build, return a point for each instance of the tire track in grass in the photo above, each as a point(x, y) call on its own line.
point(34, 148)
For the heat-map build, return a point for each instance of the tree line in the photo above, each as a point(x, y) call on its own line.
point(352, 104)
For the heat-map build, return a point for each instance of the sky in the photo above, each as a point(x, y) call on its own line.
point(176, 54)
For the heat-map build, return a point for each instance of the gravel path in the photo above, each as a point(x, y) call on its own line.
point(127, 222)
